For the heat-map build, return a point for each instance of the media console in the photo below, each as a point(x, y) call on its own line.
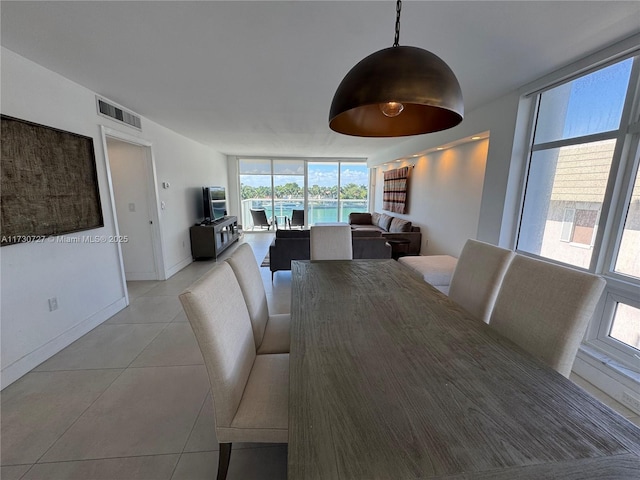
point(210, 240)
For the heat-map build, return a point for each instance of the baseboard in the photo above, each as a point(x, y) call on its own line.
point(24, 365)
point(140, 276)
point(177, 267)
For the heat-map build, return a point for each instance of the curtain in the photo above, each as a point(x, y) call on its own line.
point(394, 196)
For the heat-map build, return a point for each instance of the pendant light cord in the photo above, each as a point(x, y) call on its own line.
point(398, 9)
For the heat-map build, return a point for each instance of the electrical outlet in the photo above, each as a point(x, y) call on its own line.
point(631, 401)
point(53, 304)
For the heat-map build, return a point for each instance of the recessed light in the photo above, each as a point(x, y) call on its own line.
point(476, 138)
point(440, 148)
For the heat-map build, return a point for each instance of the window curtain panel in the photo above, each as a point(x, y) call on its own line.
point(394, 194)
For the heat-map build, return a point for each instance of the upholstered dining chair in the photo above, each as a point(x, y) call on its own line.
point(297, 219)
point(270, 332)
point(477, 277)
point(545, 309)
point(259, 217)
point(331, 242)
point(249, 391)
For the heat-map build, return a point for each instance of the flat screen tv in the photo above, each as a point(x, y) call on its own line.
point(214, 202)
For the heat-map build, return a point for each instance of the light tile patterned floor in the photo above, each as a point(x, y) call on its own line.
point(130, 400)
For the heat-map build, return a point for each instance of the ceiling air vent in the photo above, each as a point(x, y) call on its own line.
point(114, 112)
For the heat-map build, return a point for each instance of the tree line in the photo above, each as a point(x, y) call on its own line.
point(291, 190)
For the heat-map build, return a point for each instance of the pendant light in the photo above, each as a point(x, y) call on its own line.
point(395, 92)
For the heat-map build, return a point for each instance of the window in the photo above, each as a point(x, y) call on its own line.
point(573, 147)
point(626, 325)
point(579, 226)
point(627, 257)
point(581, 204)
point(327, 190)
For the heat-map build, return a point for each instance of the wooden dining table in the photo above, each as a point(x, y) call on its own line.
point(390, 379)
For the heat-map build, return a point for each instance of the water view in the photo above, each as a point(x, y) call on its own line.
point(319, 210)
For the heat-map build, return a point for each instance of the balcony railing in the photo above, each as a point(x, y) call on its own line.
point(319, 210)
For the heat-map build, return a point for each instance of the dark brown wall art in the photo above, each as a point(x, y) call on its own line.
point(395, 189)
point(49, 182)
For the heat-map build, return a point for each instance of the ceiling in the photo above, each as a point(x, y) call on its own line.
point(257, 78)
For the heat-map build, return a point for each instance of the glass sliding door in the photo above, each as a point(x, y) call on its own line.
point(256, 190)
point(354, 189)
point(288, 184)
point(323, 192)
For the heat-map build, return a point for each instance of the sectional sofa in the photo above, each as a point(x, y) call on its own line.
point(294, 245)
point(391, 228)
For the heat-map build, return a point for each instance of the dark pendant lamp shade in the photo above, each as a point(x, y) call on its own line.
point(419, 80)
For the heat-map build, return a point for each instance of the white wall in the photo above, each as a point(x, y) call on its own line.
point(499, 118)
point(445, 193)
point(85, 277)
point(187, 166)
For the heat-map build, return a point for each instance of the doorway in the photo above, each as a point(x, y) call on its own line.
point(134, 201)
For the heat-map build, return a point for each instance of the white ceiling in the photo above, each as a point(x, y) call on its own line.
point(257, 78)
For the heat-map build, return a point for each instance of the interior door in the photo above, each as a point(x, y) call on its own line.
point(130, 173)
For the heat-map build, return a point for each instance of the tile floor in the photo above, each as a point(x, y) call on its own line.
point(130, 400)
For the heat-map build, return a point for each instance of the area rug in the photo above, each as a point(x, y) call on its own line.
point(265, 262)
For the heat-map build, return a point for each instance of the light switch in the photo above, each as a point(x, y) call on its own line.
point(132, 207)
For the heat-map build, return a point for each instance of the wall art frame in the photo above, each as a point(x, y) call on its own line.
point(49, 182)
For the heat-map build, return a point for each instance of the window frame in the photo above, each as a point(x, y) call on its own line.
point(625, 163)
point(339, 161)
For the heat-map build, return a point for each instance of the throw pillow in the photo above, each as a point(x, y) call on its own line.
point(398, 225)
point(375, 217)
point(384, 221)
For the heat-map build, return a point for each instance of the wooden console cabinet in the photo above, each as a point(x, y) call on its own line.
point(212, 239)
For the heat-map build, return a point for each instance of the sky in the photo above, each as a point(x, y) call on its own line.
point(593, 102)
point(321, 174)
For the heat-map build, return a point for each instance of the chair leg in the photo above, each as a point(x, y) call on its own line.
point(223, 460)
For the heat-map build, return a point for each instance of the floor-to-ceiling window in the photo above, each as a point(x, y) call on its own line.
point(354, 191)
point(327, 191)
point(288, 187)
point(256, 188)
point(323, 192)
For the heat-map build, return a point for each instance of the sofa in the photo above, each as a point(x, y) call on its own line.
point(294, 245)
point(391, 228)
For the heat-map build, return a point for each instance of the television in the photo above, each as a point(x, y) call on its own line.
point(214, 202)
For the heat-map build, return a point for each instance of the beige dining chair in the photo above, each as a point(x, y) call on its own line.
point(331, 242)
point(249, 392)
point(477, 277)
point(545, 309)
point(270, 332)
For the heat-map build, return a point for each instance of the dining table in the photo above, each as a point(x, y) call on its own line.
point(390, 379)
